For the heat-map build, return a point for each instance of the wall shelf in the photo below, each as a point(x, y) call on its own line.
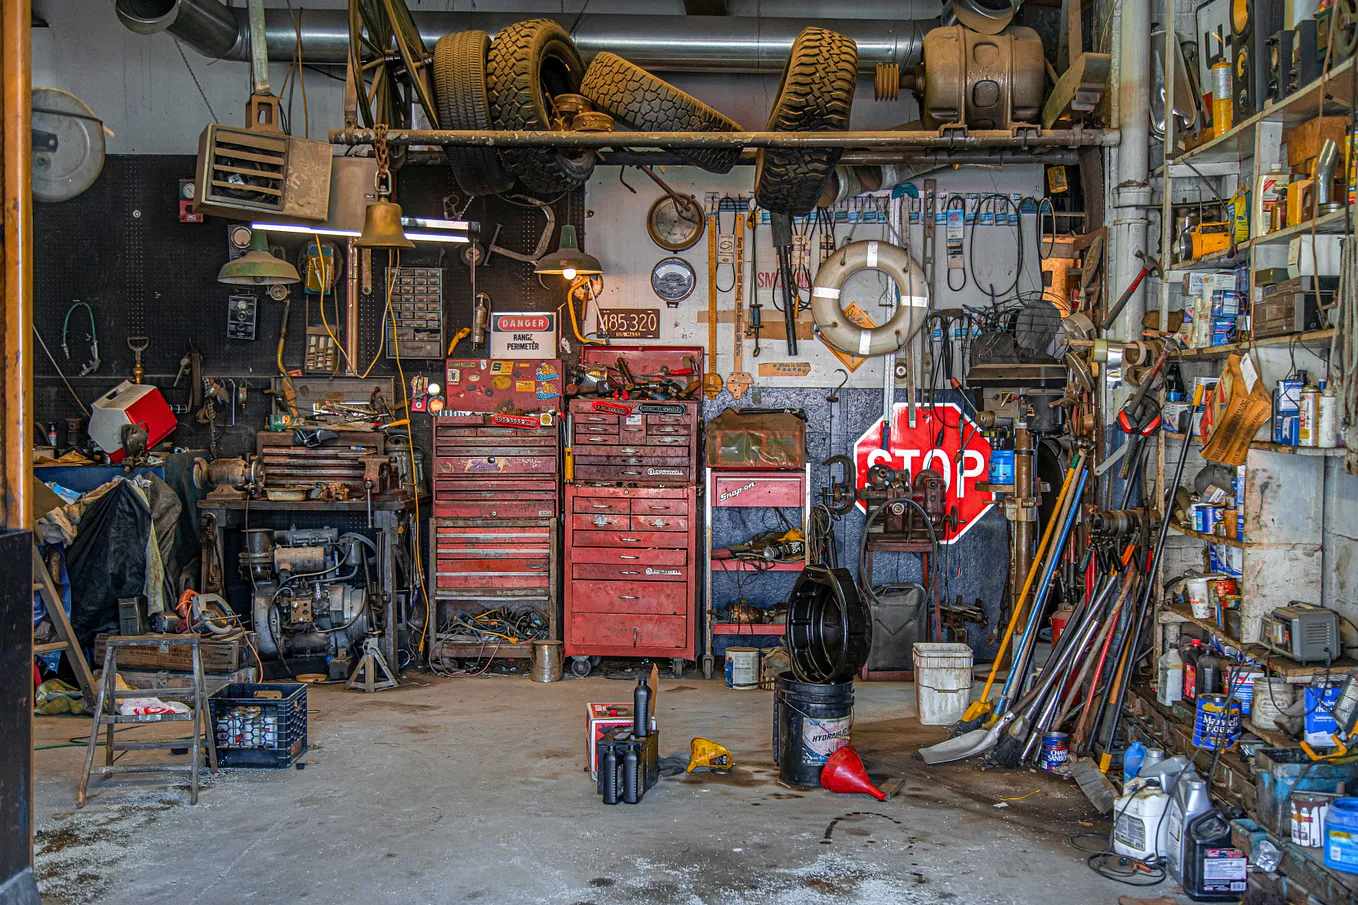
point(1297, 673)
point(1299, 450)
point(1301, 339)
point(1210, 538)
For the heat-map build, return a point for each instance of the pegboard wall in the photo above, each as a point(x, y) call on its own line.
point(121, 248)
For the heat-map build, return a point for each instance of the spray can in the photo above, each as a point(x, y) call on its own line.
point(1308, 430)
point(1222, 93)
point(1327, 418)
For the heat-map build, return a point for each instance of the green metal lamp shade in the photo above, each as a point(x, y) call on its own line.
point(257, 267)
point(568, 260)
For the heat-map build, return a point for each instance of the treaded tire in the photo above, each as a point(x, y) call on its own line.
point(528, 64)
point(815, 95)
point(648, 104)
point(460, 92)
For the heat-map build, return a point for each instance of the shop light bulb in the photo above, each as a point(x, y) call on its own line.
point(568, 273)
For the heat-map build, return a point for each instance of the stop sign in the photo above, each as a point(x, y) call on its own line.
point(962, 456)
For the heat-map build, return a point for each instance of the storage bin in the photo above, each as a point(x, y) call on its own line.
point(259, 724)
point(942, 682)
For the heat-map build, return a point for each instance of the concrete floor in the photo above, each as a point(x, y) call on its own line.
point(467, 790)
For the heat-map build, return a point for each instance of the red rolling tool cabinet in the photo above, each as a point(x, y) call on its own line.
point(497, 487)
point(631, 517)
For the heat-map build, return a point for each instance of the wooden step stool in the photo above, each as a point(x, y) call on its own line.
point(51, 600)
point(106, 715)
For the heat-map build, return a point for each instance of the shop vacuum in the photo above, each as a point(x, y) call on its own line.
point(629, 759)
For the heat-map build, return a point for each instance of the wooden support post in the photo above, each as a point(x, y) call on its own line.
point(16, 226)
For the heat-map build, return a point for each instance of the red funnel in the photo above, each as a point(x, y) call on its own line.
point(844, 774)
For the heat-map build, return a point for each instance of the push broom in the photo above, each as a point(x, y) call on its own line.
point(980, 709)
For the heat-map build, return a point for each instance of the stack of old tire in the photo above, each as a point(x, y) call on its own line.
point(510, 83)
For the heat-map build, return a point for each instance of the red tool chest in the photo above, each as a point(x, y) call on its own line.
point(635, 442)
point(631, 515)
point(497, 494)
point(631, 572)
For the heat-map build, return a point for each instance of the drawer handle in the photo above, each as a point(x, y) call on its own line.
point(632, 472)
point(537, 566)
point(658, 523)
point(629, 571)
point(630, 540)
point(626, 556)
point(628, 597)
point(599, 506)
point(659, 508)
point(634, 637)
point(595, 439)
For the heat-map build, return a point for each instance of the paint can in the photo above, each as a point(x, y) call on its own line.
point(1271, 698)
point(811, 721)
point(1217, 724)
point(1308, 817)
point(546, 661)
point(1055, 751)
point(1002, 466)
point(742, 668)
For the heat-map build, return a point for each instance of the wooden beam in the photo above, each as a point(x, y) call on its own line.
point(16, 224)
point(1077, 92)
point(705, 7)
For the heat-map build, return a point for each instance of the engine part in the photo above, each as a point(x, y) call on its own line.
point(1116, 522)
point(841, 494)
point(989, 17)
point(230, 474)
point(68, 146)
point(886, 489)
point(980, 81)
point(310, 592)
point(911, 308)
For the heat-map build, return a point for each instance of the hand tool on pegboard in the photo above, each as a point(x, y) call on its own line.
point(1148, 266)
point(712, 382)
point(781, 225)
point(739, 380)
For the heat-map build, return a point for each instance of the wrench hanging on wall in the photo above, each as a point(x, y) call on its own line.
point(782, 241)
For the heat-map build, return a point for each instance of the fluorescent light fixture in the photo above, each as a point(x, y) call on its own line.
point(446, 238)
point(428, 223)
point(306, 230)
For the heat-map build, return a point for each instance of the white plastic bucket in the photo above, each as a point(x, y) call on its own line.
point(942, 682)
point(742, 668)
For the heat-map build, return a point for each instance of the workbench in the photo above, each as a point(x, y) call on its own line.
point(390, 519)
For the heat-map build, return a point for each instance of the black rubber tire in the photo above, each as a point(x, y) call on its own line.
point(632, 95)
point(460, 92)
point(528, 64)
point(815, 95)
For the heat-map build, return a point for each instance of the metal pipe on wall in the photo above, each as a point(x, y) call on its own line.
point(1132, 192)
point(889, 139)
point(662, 43)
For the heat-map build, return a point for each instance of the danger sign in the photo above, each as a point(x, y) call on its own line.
point(962, 456)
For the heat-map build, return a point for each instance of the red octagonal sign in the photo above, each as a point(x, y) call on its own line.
point(962, 456)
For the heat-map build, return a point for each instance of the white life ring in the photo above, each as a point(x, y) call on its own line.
point(896, 263)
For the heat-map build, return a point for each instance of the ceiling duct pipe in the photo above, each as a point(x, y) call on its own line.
point(660, 43)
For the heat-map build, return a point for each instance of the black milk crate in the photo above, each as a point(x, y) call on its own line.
point(259, 724)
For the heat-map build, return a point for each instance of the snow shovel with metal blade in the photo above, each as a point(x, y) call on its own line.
point(968, 744)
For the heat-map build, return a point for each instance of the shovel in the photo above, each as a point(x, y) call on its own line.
point(968, 744)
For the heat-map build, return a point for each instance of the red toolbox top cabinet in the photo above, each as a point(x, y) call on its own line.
point(631, 572)
point(647, 443)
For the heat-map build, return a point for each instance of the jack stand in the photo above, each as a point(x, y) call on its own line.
point(365, 677)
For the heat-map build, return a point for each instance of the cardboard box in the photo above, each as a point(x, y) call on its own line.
point(1304, 141)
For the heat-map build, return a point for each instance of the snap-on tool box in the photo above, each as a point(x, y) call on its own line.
point(631, 518)
point(497, 487)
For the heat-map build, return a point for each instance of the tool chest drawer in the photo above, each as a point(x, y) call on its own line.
point(493, 557)
point(630, 573)
point(635, 442)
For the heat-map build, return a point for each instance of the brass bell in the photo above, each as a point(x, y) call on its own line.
point(382, 227)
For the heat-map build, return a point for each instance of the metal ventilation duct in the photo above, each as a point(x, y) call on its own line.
point(661, 43)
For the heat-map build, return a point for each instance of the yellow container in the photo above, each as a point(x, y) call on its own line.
point(1222, 107)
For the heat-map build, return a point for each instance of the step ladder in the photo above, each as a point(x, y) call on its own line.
point(43, 584)
point(106, 717)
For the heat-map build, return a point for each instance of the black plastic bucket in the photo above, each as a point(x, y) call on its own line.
point(810, 722)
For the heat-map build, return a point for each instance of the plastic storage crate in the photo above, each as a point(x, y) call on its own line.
point(259, 724)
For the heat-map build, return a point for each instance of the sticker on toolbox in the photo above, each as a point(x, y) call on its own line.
point(524, 386)
point(454, 375)
point(490, 464)
point(548, 390)
point(502, 366)
point(547, 370)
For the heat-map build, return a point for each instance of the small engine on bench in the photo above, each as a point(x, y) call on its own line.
point(900, 521)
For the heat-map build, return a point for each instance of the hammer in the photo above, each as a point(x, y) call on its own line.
point(1147, 266)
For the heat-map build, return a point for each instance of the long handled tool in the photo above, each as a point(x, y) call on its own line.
point(1013, 683)
point(981, 707)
